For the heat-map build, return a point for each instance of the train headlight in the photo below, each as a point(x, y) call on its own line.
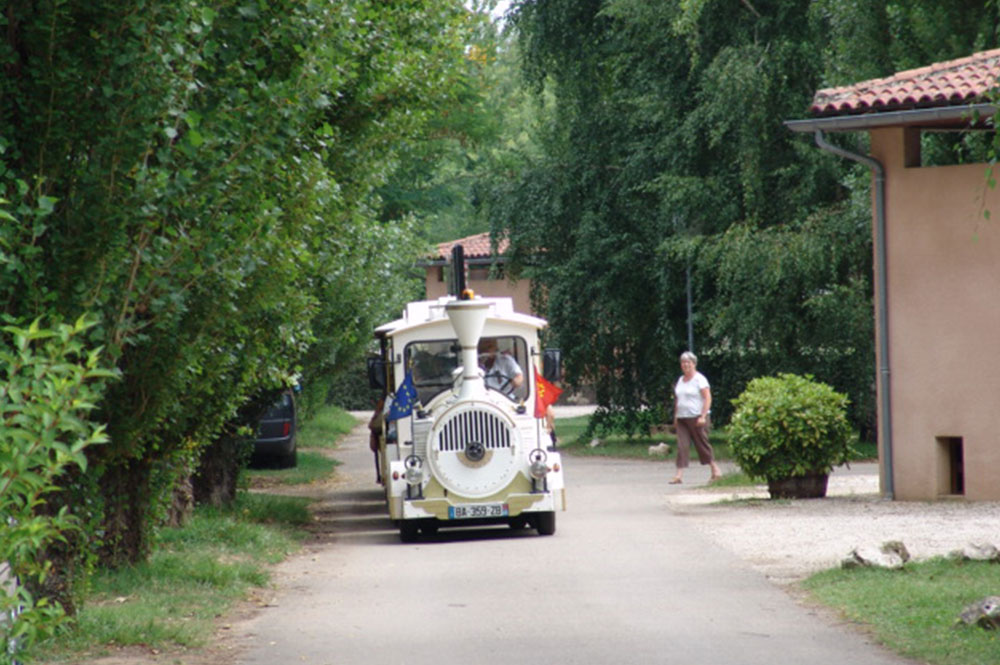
point(414, 470)
point(538, 467)
point(475, 451)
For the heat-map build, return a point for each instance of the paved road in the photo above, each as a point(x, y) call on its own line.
point(622, 581)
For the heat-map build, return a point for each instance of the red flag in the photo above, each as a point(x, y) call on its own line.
point(545, 394)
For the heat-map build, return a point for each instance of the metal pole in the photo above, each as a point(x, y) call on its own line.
point(882, 304)
point(690, 308)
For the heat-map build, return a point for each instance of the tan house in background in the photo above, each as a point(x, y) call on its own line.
point(485, 272)
point(937, 272)
point(486, 275)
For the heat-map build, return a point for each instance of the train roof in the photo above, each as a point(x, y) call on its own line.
point(419, 313)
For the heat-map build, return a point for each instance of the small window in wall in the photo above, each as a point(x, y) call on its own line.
point(440, 273)
point(479, 274)
point(952, 465)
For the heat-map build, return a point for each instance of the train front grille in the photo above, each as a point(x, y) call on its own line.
point(484, 427)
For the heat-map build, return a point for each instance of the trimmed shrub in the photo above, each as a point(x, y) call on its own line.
point(789, 426)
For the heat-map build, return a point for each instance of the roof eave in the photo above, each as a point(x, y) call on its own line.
point(953, 117)
point(469, 261)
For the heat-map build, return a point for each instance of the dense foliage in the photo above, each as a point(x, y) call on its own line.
point(49, 383)
point(202, 177)
point(664, 169)
point(489, 118)
point(787, 426)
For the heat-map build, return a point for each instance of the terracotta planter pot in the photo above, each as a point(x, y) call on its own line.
point(812, 486)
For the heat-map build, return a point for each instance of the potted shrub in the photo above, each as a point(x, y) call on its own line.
point(791, 431)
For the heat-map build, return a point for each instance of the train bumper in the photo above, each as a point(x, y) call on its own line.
point(430, 501)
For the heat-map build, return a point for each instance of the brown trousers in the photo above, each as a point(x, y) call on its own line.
point(688, 432)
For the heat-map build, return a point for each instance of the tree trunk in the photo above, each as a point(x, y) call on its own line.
point(181, 502)
point(215, 481)
point(127, 504)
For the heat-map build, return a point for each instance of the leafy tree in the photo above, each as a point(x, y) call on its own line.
point(438, 178)
point(642, 148)
point(203, 178)
point(665, 156)
point(877, 38)
point(793, 297)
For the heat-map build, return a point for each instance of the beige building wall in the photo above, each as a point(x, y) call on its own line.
point(943, 271)
point(478, 280)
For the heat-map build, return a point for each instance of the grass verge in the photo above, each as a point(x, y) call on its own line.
point(199, 571)
point(325, 428)
point(311, 466)
point(913, 611)
point(571, 432)
point(195, 574)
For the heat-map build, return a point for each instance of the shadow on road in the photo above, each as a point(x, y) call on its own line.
point(351, 509)
point(359, 517)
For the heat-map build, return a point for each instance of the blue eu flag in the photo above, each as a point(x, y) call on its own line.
point(405, 399)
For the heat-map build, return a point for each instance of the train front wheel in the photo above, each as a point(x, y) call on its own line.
point(545, 523)
point(408, 531)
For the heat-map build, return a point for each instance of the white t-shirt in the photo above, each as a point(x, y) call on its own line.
point(688, 395)
point(500, 376)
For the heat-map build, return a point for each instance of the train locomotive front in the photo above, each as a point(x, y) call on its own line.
point(462, 441)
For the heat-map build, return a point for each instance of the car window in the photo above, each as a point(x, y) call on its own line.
point(283, 408)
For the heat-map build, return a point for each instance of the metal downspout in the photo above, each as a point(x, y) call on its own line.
point(882, 297)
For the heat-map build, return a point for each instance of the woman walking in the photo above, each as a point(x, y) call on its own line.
point(692, 404)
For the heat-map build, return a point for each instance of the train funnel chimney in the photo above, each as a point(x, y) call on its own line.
point(467, 318)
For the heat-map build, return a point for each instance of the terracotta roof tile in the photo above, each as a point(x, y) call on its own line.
point(942, 84)
point(476, 247)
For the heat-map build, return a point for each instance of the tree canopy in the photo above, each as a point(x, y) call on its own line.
point(203, 178)
point(664, 166)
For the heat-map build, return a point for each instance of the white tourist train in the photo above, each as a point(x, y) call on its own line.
point(462, 438)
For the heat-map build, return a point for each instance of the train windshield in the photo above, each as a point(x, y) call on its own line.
point(503, 359)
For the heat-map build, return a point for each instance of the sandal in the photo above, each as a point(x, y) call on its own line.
point(676, 481)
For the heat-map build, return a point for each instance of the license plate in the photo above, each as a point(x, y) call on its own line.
point(474, 510)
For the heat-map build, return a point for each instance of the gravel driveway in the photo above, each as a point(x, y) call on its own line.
point(789, 540)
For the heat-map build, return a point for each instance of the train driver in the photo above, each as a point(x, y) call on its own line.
point(501, 370)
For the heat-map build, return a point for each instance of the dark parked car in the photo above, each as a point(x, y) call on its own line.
point(275, 442)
